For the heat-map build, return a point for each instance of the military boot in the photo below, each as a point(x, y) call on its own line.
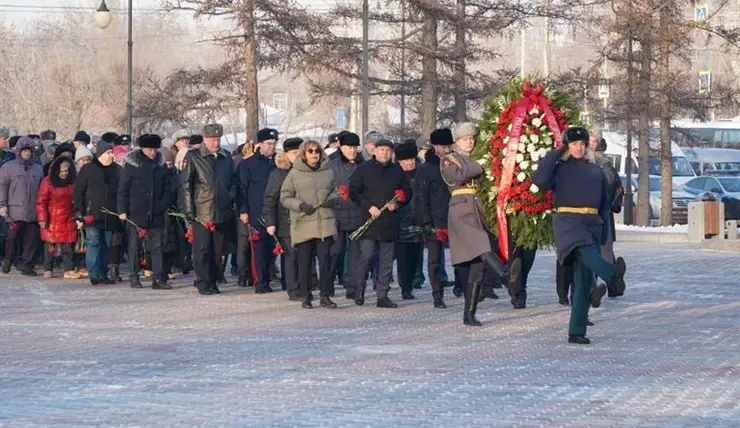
point(472, 293)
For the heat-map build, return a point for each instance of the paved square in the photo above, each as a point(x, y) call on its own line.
point(665, 355)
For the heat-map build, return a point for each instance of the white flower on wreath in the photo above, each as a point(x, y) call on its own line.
point(534, 112)
point(547, 139)
point(537, 122)
point(523, 139)
point(524, 164)
point(522, 148)
point(521, 177)
point(534, 138)
point(541, 153)
point(531, 148)
point(508, 128)
point(533, 188)
point(534, 167)
point(519, 158)
point(482, 161)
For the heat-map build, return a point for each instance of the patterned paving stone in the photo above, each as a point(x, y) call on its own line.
point(665, 355)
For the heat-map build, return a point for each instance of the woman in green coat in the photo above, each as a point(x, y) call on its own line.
point(305, 193)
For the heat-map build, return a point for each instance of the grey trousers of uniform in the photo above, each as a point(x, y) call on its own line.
point(358, 272)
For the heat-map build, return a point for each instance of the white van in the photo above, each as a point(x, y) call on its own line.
point(616, 149)
point(706, 161)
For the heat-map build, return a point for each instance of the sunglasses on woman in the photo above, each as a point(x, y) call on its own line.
point(313, 151)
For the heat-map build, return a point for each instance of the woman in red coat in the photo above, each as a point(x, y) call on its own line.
point(55, 213)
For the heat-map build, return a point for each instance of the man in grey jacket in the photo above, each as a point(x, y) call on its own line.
point(19, 183)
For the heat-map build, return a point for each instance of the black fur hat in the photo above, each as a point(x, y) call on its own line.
point(151, 141)
point(196, 139)
point(349, 139)
point(601, 146)
point(441, 137)
point(292, 144)
point(109, 137)
point(64, 147)
point(405, 151)
point(122, 140)
point(575, 133)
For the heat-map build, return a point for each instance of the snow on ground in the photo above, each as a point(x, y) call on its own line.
point(676, 228)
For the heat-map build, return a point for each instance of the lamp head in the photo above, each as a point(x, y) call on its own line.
point(102, 16)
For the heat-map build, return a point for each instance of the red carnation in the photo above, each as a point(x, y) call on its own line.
point(89, 219)
point(278, 249)
point(83, 251)
point(142, 233)
point(535, 130)
point(441, 235)
point(399, 195)
point(142, 261)
point(255, 236)
point(344, 192)
point(210, 225)
point(14, 226)
point(52, 250)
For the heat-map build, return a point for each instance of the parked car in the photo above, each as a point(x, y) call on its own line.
point(721, 187)
point(681, 200)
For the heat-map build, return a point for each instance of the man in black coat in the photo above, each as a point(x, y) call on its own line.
point(346, 212)
point(145, 193)
point(432, 204)
point(209, 189)
point(277, 218)
point(253, 174)
point(96, 188)
point(409, 249)
point(373, 185)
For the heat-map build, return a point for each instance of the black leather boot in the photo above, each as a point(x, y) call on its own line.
point(161, 284)
point(507, 275)
point(472, 293)
point(439, 303)
point(134, 281)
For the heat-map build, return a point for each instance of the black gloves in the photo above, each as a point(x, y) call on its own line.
point(307, 209)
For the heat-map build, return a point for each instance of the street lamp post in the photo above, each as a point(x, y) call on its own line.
point(102, 20)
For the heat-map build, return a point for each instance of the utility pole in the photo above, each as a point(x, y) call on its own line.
point(403, 66)
point(628, 202)
point(365, 65)
point(130, 89)
point(546, 47)
point(521, 53)
point(459, 74)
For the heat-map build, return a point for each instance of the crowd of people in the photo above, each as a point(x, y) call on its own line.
point(333, 213)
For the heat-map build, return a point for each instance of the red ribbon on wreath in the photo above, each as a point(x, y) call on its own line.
point(533, 97)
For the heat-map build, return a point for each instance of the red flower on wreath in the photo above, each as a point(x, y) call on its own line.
point(89, 219)
point(142, 233)
point(441, 235)
point(344, 193)
point(400, 195)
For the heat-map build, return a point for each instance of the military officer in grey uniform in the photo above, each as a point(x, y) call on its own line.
point(470, 238)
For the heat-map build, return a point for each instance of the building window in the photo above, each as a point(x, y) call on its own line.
point(278, 101)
